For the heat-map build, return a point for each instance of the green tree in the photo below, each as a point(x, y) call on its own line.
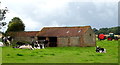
point(103, 30)
point(95, 30)
point(115, 30)
point(15, 25)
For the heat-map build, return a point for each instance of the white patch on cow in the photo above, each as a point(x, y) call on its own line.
point(1, 44)
point(8, 42)
point(26, 47)
point(104, 51)
point(42, 46)
point(100, 51)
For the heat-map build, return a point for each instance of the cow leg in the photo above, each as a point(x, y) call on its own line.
point(31, 48)
point(8, 42)
point(100, 51)
point(104, 51)
point(42, 46)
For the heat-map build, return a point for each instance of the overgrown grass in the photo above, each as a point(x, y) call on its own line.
point(63, 54)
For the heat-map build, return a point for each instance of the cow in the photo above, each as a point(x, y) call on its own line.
point(43, 43)
point(20, 43)
point(24, 46)
point(40, 44)
point(16, 46)
point(1, 44)
point(7, 40)
point(35, 45)
point(100, 50)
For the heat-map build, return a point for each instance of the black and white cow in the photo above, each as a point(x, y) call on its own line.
point(36, 45)
point(43, 43)
point(7, 40)
point(39, 44)
point(100, 50)
point(20, 43)
point(26, 46)
point(1, 44)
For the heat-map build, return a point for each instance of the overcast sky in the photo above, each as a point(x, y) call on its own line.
point(37, 14)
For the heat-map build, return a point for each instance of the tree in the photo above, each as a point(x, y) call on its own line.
point(95, 30)
point(2, 17)
point(15, 25)
point(103, 30)
point(115, 30)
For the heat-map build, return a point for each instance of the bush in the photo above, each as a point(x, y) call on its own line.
point(8, 54)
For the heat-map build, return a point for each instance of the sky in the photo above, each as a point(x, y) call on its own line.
point(37, 14)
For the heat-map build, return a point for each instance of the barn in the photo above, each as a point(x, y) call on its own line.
point(68, 36)
point(26, 36)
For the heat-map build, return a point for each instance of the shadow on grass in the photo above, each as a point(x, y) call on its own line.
point(19, 54)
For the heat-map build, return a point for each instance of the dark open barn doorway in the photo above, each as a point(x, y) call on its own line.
point(52, 41)
point(41, 38)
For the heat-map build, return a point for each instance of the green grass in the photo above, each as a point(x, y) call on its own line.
point(63, 54)
point(0, 55)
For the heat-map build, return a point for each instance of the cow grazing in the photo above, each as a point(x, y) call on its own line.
point(100, 50)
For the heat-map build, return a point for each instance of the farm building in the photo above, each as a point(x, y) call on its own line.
point(68, 36)
point(23, 36)
point(59, 36)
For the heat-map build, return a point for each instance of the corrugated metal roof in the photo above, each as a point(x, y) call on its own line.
point(23, 34)
point(62, 31)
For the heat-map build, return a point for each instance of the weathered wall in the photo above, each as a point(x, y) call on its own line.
point(74, 41)
point(27, 39)
point(89, 38)
point(62, 41)
point(68, 41)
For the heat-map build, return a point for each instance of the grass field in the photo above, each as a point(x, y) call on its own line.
point(63, 54)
